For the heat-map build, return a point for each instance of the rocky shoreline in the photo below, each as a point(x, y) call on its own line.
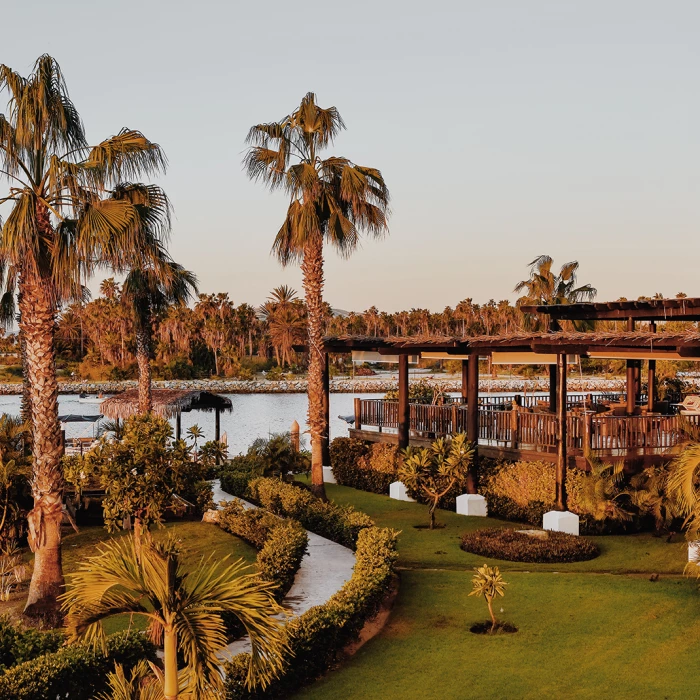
point(364, 385)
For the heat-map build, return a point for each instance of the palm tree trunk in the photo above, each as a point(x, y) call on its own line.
point(143, 358)
point(312, 270)
point(170, 685)
point(37, 319)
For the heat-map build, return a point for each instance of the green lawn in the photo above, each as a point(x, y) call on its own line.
point(587, 630)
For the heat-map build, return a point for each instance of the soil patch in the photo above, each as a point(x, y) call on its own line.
point(488, 628)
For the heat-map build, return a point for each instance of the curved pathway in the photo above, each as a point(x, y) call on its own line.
point(325, 568)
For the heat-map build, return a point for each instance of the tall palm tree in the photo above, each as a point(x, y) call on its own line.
point(184, 609)
point(331, 201)
point(544, 287)
point(63, 222)
point(149, 290)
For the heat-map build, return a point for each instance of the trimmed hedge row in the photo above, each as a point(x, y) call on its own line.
point(18, 645)
point(553, 547)
point(75, 671)
point(363, 466)
point(316, 637)
point(341, 524)
point(281, 544)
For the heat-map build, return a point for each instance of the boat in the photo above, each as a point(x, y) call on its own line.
point(86, 398)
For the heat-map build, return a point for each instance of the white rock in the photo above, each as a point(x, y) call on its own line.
point(210, 516)
point(694, 551)
point(561, 521)
point(472, 504)
point(328, 477)
point(398, 492)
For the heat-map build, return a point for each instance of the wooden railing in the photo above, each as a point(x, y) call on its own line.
point(537, 431)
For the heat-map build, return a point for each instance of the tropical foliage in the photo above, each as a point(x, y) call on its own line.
point(184, 609)
point(488, 584)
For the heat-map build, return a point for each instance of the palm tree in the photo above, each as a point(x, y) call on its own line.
point(185, 610)
point(544, 287)
point(149, 290)
point(196, 433)
point(332, 201)
point(63, 222)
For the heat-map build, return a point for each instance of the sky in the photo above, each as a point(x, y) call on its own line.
point(504, 130)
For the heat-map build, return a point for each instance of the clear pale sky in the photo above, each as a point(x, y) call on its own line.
point(504, 129)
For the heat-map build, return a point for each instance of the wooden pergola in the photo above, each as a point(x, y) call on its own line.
point(653, 436)
point(169, 403)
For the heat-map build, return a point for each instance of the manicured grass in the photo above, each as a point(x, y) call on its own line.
point(640, 553)
point(591, 629)
point(580, 636)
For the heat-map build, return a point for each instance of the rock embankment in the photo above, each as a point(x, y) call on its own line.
point(364, 385)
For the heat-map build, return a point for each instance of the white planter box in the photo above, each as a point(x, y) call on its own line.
point(561, 521)
point(398, 491)
point(694, 552)
point(328, 477)
point(472, 504)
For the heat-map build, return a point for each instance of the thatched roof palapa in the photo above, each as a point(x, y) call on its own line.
point(166, 403)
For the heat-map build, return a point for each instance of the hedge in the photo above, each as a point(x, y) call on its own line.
point(77, 671)
point(341, 524)
point(281, 544)
point(362, 466)
point(508, 544)
point(316, 637)
point(18, 645)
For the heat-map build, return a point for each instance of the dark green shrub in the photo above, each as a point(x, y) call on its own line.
point(76, 671)
point(362, 466)
point(281, 544)
point(316, 637)
point(511, 545)
point(337, 523)
point(18, 645)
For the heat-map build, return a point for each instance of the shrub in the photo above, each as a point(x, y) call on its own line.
point(366, 467)
point(281, 544)
point(316, 637)
point(551, 547)
point(76, 671)
point(18, 645)
point(337, 523)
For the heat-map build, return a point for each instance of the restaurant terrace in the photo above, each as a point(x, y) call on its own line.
point(564, 428)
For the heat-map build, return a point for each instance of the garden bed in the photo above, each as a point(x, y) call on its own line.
point(538, 546)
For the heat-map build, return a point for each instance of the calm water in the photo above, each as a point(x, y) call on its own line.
point(253, 416)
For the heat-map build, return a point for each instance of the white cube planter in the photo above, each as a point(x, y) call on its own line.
point(472, 504)
point(694, 552)
point(398, 491)
point(328, 477)
point(561, 521)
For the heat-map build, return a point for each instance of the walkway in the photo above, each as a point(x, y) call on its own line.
point(325, 568)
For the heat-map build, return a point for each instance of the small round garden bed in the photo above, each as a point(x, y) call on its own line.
point(537, 546)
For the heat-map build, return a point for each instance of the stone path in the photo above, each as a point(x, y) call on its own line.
point(325, 568)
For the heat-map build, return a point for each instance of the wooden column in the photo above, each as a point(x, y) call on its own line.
point(630, 387)
point(637, 380)
point(404, 408)
point(552, 388)
point(325, 433)
point(358, 414)
point(561, 432)
point(473, 420)
point(465, 372)
point(651, 377)
point(178, 426)
point(217, 424)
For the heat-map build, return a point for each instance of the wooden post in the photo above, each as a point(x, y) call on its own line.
point(178, 426)
point(358, 412)
point(294, 435)
point(465, 372)
point(630, 387)
point(514, 416)
point(325, 434)
point(561, 433)
point(552, 388)
point(217, 424)
point(651, 377)
point(473, 419)
point(404, 408)
point(455, 428)
point(637, 380)
point(587, 432)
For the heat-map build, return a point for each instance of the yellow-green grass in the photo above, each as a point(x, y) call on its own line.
point(422, 548)
point(591, 629)
point(580, 636)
